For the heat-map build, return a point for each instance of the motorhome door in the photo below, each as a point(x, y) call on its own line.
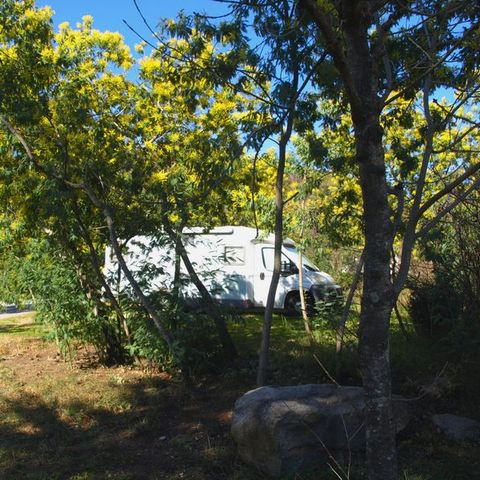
point(264, 255)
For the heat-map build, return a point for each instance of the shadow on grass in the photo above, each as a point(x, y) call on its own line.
point(16, 328)
point(293, 358)
point(156, 430)
point(156, 435)
point(21, 323)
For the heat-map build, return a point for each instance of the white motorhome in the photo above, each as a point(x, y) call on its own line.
point(234, 263)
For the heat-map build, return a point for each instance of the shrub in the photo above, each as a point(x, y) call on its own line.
point(435, 306)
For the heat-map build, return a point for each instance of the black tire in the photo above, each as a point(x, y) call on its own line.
point(293, 305)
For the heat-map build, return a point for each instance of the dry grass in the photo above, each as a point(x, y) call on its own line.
point(79, 421)
point(61, 420)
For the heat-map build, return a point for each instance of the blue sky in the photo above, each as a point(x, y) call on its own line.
point(109, 14)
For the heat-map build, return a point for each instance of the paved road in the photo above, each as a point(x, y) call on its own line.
point(24, 313)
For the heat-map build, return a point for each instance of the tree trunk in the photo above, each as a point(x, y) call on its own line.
point(345, 312)
point(111, 351)
point(176, 273)
point(225, 339)
point(268, 314)
point(306, 320)
point(377, 303)
point(287, 128)
point(176, 284)
point(147, 305)
point(98, 271)
point(358, 69)
point(262, 371)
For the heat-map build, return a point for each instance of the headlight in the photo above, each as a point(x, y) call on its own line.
point(326, 293)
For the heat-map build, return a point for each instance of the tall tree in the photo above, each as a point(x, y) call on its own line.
point(364, 39)
point(135, 154)
point(275, 70)
point(379, 52)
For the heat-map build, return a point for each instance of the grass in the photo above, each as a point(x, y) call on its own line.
point(20, 324)
point(293, 359)
point(80, 421)
point(75, 420)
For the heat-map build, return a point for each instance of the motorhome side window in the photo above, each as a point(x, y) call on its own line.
point(268, 255)
point(233, 255)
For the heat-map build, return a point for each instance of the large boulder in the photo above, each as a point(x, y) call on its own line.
point(281, 430)
point(458, 428)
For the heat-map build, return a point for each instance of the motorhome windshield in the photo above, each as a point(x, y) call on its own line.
point(307, 264)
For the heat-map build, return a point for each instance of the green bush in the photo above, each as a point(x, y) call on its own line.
point(435, 306)
point(449, 300)
point(47, 276)
point(196, 343)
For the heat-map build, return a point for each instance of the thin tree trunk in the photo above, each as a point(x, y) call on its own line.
point(176, 282)
point(262, 371)
point(278, 229)
point(225, 339)
point(98, 271)
point(147, 305)
point(177, 271)
point(268, 315)
point(133, 283)
point(111, 350)
point(306, 320)
point(346, 311)
point(401, 323)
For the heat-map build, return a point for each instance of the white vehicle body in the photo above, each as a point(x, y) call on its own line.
point(235, 265)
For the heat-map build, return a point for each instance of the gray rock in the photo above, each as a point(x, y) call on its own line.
point(281, 430)
point(458, 428)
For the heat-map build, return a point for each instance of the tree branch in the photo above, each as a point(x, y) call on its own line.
point(334, 45)
point(448, 189)
point(459, 199)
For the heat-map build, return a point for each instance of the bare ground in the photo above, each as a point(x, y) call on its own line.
point(77, 420)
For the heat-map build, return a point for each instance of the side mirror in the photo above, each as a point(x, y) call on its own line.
point(288, 268)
